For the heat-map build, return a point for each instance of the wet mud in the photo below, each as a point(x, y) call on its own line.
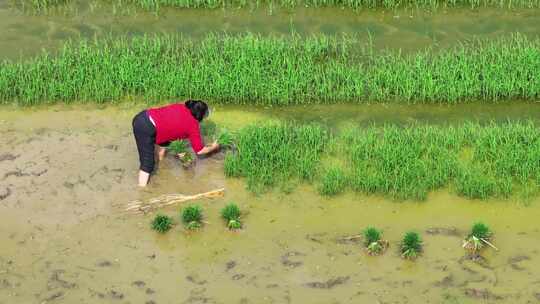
point(65, 238)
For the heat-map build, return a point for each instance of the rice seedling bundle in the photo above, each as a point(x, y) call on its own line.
point(252, 69)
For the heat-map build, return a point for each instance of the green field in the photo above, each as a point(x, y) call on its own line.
point(474, 161)
point(349, 4)
point(252, 69)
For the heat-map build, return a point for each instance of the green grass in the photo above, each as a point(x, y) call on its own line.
point(481, 231)
point(231, 214)
point(398, 162)
point(333, 182)
point(178, 146)
point(162, 223)
point(274, 154)
point(371, 235)
point(411, 245)
point(192, 217)
point(349, 4)
point(252, 69)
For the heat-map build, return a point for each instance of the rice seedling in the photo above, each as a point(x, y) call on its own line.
point(411, 245)
point(231, 214)
point(178, 146)
point(333, 182)
point(225, 139)
point(402, 163)
point(478, 238)
point(276, 153)
point(349, 4)
point(180, 149)
point(253, 69)
point(373, 241)
point(162, 223)
point(192, 217)
point(208, 129)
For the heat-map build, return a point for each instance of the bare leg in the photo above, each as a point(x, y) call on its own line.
point(161, 153)
point(143, 178)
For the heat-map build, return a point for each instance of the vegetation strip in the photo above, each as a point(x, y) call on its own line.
point(350, 4)
point(251, 69)
point(475, 161)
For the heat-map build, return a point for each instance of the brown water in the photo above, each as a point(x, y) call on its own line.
point(70, 171)
point(26, 34)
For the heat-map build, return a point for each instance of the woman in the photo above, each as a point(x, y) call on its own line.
point(160, 126)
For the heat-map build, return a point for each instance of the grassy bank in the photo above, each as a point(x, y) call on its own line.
point(349, 4)
point(251, 69)
point(474, 161)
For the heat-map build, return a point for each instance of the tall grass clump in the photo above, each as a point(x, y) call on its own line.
point(373, 241)
point(404, 163)
point(409, 162)
point(192, 217)
point(333, 182)
point(162, 223)
point(479, 237)
point(276, 153)
point(231, 214)
point(411, 245)
point(252, 69)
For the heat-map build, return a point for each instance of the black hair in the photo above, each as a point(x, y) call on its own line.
point(198, 108)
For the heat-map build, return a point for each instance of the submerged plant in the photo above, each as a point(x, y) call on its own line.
point(231, 213)
point(411, 245)
point(162, 223)
point(373, 242)
point(192, 217)
point(478, 238)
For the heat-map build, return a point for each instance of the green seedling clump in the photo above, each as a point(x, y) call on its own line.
point(373, 242)
point(411, 245)
point(225, 138)
point(333, 182)
point(231, 214)
point(478, 238)
point(178, 146)
point(180, 149)
point(162, 223)
point(192, 217)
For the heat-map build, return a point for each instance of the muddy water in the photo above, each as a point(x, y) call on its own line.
point(66, 173)
point(25, 34)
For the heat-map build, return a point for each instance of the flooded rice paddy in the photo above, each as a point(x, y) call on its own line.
point(66, 174)
point(26, 34)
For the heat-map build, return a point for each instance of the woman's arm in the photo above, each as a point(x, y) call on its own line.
point(209, 149)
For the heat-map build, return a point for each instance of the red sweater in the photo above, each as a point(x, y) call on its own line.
point(174, 122)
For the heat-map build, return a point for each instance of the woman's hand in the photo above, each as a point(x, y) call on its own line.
point(209, 149)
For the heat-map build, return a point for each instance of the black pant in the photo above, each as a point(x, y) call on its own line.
point(145, 137)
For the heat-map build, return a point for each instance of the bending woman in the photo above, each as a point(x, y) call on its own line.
point(160, 126)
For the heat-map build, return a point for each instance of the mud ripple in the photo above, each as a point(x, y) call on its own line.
point(328, 284)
